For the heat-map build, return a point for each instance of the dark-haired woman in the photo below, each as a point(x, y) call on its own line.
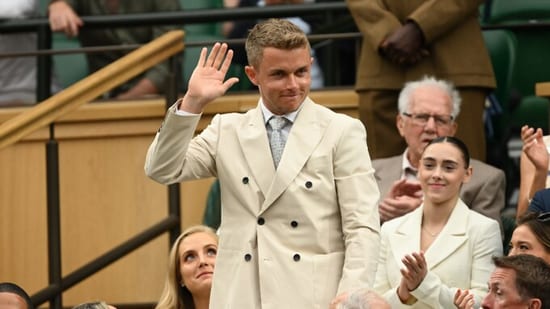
point(442, 247)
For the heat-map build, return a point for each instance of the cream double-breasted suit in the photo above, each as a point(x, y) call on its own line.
point(292, 237)
point(460, 257)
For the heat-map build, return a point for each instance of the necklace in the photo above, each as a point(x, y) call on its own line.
point(428, 232)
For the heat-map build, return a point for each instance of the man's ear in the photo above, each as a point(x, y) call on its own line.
point(454, 127)
point(535, 303)
point(400, 123)
point(251, 73)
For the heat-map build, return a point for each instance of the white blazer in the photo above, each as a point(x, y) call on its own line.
point(460, 257)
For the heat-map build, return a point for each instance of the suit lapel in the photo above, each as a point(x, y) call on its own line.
point(255, 146)
point(406, 238)
point(307, 130)
point(451, 237)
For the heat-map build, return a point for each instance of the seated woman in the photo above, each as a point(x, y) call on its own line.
point(442, 246)
point(531, 236)
point(190, 270)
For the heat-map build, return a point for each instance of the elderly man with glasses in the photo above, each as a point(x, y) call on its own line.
point(428, 109)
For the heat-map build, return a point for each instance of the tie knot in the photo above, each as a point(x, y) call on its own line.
point(277, 122)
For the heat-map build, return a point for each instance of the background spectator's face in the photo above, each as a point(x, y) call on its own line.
point(502, 291)
point(197, 257)
point(441, 172)
point(425, 100)
point(524, 242)
point(283, 78)
point(11, 301)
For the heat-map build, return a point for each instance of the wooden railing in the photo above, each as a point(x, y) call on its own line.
point(91, 87)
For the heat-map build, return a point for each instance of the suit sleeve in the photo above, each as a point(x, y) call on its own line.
point(486, 243)
point(438, 17)
point(373, 19)
point(174, 155)
point(357, 197)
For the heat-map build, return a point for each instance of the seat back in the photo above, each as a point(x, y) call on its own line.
point(532, 64)
point(518, 11)
point(69, 68)
point(502, 47)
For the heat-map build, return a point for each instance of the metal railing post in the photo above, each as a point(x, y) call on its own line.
point(53, 220)
point(43, 64)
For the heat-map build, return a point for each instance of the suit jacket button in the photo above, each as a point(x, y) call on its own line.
point(245, 180)
point(294, 224)
point(309, 184)
point(296, 257)
point(247, 257)
point(261, 221)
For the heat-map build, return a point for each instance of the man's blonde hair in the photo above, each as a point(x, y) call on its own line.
point(277, 33)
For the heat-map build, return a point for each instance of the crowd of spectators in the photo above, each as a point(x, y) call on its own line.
point(419, 228)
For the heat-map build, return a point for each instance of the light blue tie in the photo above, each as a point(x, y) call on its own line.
point(277, 140)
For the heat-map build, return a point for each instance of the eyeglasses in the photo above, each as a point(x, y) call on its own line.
point(422, 119)
point(544, 217)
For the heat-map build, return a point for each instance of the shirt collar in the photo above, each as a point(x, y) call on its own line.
point(267, 113)
point(407, 169)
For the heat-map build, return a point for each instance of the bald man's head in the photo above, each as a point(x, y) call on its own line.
point(13, 296)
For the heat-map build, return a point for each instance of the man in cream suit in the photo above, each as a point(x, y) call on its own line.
point(293, 234)
point(427, 109)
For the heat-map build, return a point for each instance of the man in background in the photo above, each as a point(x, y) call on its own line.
point(405, 40)
point(64, 16)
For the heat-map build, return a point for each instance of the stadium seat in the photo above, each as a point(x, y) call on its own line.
point(515, 11)
point(68, 68)
point(502, 47)
point(532, 64)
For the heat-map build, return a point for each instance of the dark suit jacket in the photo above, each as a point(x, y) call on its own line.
point(484, 192)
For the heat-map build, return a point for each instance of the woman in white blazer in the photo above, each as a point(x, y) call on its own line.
point(442, 246)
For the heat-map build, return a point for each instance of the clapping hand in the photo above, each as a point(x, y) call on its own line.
point(413, 274)
point(403, 197)
point(534, 147)
point(464, 299)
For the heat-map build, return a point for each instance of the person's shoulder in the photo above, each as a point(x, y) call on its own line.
point(543, 194)
point(389, 161)
point(485, 170)
point(339, 119)
point(478, 220)
point(540, 201)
